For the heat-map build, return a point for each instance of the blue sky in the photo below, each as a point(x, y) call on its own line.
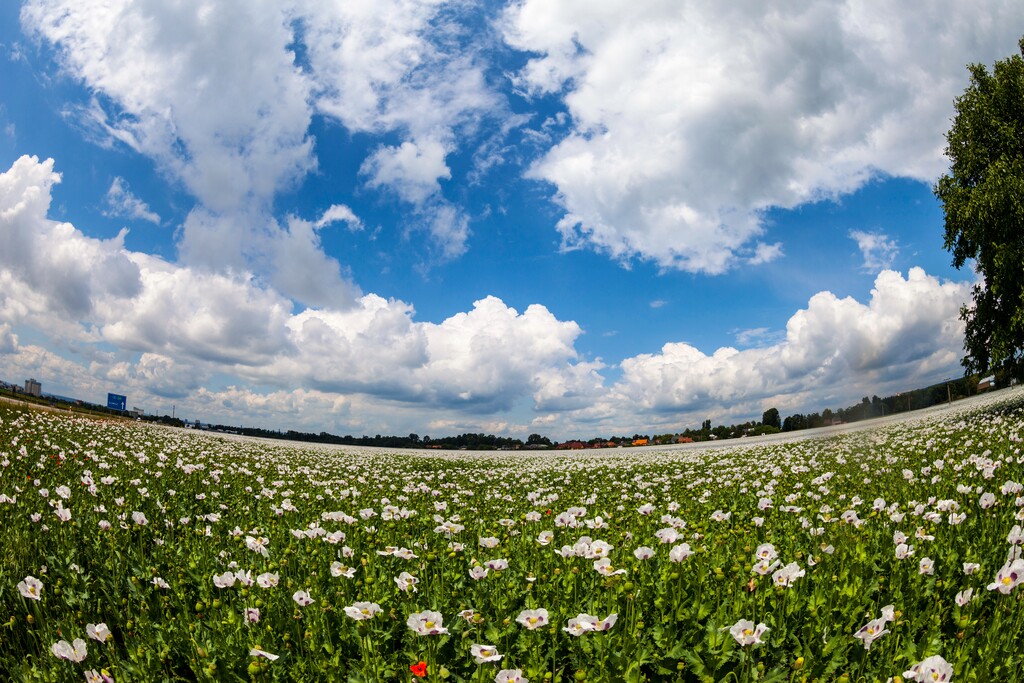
point(424, 216)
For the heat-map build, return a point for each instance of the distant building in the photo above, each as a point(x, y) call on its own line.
point(33, 388)
point(983, 385)
point(639, 442)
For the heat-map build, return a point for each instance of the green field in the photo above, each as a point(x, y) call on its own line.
point(177, 555)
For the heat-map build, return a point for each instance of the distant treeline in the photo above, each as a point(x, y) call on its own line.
point(890, 405)
point(469, 441)
point(770, 423)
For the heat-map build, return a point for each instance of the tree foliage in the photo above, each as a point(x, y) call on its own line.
point(983, 201)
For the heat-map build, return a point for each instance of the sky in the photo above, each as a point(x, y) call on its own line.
point(416, 216)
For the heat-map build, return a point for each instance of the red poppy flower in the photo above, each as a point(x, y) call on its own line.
point(419, 669)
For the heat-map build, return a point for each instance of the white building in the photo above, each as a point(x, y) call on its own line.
point(33, 388)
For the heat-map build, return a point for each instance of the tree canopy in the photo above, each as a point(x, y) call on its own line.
point(983, 201)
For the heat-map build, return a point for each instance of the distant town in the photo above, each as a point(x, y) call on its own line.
point(771, 421)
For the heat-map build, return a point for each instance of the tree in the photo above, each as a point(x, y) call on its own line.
point(771, 418)
point(794, 423)
point(538, 440)
point(984, 212)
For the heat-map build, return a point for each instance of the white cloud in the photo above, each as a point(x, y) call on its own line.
point(765, 253)
point(758, 336)
point(877, 250)
point(300, 268)
point(480, 361)
point(290, 257)
point(907, 334)
point(160, 375)
point(394, 65)
point(569, 388)
point(122, 203)
point(221, 96)
point(228, 241)
point(449, 226)
point(689, 119)
point(286, 408)
point(209, 91)
point(8, 340)
point(411, 169)
point(173, 327)
point(498, 354)
point(190, 314)
point(51, 267)
point(340, 213)
point(372, 364)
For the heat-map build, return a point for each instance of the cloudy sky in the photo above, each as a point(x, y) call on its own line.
point(394, 216)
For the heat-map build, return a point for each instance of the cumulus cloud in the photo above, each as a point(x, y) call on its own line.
point(877, 250)
point(172, 328)
point(160, 375)
point(907, 333)
point(498, 354)
point(122, 203)
point(690, 119)
point(50, 265)
point(175, 326)
point(290, 256)
point(480, 361)
point(300, 268)
point(411, 169)
point(196, 314)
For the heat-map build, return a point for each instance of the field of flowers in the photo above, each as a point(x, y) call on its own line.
point(137, 553)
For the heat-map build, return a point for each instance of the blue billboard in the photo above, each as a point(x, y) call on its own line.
point(117, 402)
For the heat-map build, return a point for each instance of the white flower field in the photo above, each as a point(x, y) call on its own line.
point(138, 553)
